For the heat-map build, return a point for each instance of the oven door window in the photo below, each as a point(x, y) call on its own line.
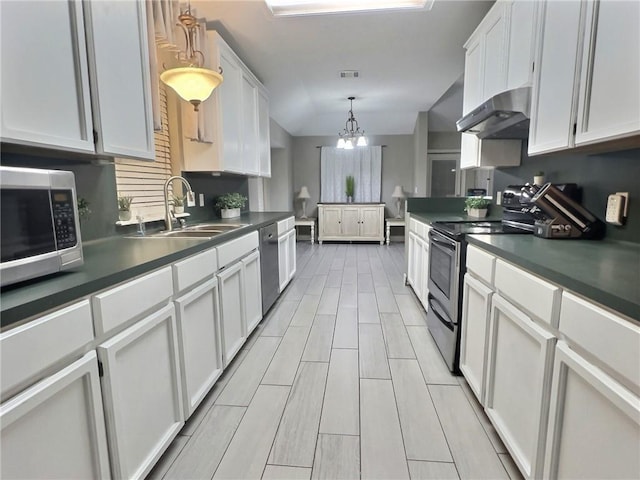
point(26, 222)
point(441, 268)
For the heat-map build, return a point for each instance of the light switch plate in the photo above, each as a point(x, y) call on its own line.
point(617, 208)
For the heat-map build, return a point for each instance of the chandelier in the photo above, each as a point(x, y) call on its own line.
point(191, 80)
point(351, 135)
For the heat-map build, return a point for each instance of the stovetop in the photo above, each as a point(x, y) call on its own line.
point(459, 229)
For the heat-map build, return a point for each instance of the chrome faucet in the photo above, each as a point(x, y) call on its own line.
point(168, 214)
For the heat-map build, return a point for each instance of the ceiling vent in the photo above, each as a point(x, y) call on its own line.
point(349, 74)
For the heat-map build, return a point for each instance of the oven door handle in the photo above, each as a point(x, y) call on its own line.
point(447, 245)
point(443, 320)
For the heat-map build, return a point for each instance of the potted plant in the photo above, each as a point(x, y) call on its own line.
point(230, 204)
point(350, 188)
point(178, 203)
point(476, 206)
point(124, 208)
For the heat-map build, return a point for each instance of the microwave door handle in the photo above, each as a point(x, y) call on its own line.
point(443, 320)
point(446, 245)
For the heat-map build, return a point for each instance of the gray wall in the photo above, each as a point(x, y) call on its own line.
point(421, 145)
point(279, 188)
point(444, 140)
point(397, 167)
point(599, 175)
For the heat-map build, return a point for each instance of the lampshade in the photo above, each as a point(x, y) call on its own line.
point(340, 143)
point(304, 193)
point(362, 141)
point(193, 84)
point(348, 144)
point(397, 192)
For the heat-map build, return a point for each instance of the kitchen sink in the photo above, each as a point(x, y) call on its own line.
point(203, 231)
point(215, 227)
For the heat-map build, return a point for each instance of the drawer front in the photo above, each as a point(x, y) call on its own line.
point(612, 339)
point(231, 251)
point(539, 297)
point(285, 225)
point(194, 269)
point(481, 264)
point(29, 349)
point(119, 305)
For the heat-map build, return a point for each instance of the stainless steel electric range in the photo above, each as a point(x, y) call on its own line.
point(447, 259)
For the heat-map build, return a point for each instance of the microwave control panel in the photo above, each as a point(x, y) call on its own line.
point(64, 218)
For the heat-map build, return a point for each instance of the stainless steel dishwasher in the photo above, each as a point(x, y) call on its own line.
point(269, 270)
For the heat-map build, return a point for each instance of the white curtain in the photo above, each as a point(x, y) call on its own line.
point(364, 163)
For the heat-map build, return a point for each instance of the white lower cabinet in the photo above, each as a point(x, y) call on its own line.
point(594, 422)
point(142, 394)
point(418, 260)
point(476, 314)
point(55, 429)
point(518, 383)
point(252, 290)
point(232, 310)
point(200, 345)
point(414, 263)
point(286, 258)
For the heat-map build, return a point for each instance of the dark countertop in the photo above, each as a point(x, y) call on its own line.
point(605, 271)
point(110, 261)
point(430, 217)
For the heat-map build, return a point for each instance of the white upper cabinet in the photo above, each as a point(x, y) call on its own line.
point(609, 101)
point(120, 78)
point(587, 75)
point(494, 39)
point(45, 79)
point(521, 42)
point(552, 99)
point(238, 109)
point(473, 75)
point(250, 141)
point(72, 72)
point(264, 139)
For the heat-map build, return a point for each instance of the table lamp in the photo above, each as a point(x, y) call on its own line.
point(304, 195)
point(398, 194)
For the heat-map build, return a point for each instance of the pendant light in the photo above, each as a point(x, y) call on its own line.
point(191, 80)
point(351, 135)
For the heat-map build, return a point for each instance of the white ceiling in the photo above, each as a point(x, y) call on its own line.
point(407, 61)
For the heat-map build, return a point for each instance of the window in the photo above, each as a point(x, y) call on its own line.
point(363, 163)
point(143, 180)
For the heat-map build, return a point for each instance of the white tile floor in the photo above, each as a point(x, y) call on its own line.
point(341, 380)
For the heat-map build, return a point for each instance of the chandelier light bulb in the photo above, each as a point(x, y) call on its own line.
point(362, 141)
point(341, 143)
point(348, 144)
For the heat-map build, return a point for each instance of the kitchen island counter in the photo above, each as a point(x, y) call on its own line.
point(110, 261)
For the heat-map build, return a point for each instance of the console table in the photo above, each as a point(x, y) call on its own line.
point(393, 222)
point(307, 222)
point(351, 222)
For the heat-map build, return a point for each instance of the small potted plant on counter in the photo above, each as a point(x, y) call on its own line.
point(230, 204)
point(124, 208)
point(350, 188)
point(476, 206)
point(178, 203)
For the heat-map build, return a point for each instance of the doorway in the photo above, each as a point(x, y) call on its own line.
point(444, 174)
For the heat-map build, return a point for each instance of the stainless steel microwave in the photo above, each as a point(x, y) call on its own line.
point(40, 225)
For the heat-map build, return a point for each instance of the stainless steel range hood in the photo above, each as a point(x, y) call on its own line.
point(503, 116)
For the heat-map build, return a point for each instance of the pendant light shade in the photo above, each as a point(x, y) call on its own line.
point(193, 84)
point(190, 79)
